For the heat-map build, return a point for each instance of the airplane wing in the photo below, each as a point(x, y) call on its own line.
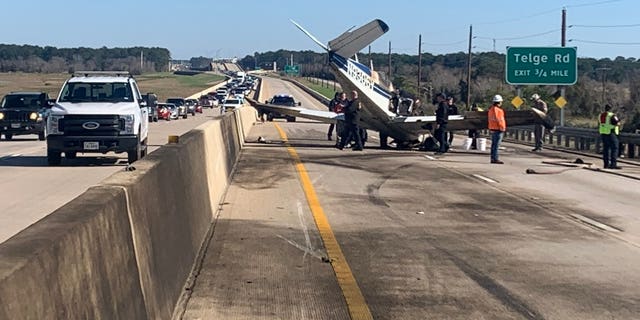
point(319, 115)
point(472, 120)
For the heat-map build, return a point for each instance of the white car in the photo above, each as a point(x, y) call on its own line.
point(231, 104)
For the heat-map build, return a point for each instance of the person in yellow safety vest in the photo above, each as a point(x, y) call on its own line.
point(609, 129)
point(497, 126)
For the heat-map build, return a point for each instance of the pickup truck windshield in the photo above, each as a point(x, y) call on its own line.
point(96, 92)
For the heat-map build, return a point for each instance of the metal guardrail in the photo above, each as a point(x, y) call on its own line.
point(581, 139)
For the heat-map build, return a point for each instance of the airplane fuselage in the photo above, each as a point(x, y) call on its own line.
point(374, 98)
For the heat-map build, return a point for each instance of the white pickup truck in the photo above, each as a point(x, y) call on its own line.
point(98, 112)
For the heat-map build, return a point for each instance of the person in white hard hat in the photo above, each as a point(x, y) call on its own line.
point(497, 126)
point(538, 129)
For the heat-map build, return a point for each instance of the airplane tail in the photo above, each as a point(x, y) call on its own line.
point(351, 42)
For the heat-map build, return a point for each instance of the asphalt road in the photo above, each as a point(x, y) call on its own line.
point(30, 189)
point(424, 237)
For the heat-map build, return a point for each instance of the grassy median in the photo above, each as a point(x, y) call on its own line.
point(163, 84)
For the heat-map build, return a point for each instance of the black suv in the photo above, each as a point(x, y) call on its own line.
point(24, 113)
point(282, 100)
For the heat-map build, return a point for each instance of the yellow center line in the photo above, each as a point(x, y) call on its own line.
point(358, 308)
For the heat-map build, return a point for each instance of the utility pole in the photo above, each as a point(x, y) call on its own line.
point(419, 63)
point(141, 61)
point(469, 69)
point(563, 42)
point(389, 71)
point(604, 82)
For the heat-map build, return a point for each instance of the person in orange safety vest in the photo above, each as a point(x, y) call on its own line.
point(497, 126)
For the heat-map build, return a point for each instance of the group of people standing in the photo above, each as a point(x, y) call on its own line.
point(608, 127)
point(347, 130)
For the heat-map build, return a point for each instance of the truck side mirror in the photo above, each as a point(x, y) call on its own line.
point(143, 104)
point(50, 103)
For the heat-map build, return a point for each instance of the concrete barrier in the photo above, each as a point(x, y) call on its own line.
point(125, 249)
point(76, 263)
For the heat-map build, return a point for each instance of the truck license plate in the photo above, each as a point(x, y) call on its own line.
point(15, 125)
point(91, 145)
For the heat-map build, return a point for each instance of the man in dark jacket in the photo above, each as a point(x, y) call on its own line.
point(351, 119)
point(332, 104)
point(442, 118)
point(453, 110)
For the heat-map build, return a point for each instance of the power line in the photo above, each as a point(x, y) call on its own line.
point(520, 18)
point(522, 37)
point(603, 42)
point(591, 4)
point(554, 10)
point(445, 44)
point(605, 26)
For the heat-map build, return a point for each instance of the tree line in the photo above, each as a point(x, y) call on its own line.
point(28, 58)
point(600, 81)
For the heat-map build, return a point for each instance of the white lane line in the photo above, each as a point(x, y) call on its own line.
point(481, 177)
point(594, 223)
point(430, 157)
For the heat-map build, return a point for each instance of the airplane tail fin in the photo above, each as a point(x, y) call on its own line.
point(351, 42)
point(310, 35)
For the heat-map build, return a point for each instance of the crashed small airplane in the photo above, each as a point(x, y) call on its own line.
point(375, 115)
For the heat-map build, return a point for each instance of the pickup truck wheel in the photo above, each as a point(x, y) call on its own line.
point(184, 117)
point(135, 154)
point(145, 147)
point(41, 136)
point(54, 157)
point(8, 136)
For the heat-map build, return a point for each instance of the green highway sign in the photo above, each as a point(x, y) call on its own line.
point(541, 65)
point(290, 69)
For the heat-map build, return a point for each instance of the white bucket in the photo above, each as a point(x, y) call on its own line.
point(482, 144)
point(466, 144)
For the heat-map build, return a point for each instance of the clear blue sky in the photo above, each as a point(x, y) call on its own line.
point(190, 28)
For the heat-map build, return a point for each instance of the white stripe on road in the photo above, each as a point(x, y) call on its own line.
point(594, 223)
point(430, 157)
point(481, 177)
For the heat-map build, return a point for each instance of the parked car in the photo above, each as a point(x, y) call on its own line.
point(180, 103)
point(192, 105)
point(152, 103)
point(164, 111)
point(230, 104)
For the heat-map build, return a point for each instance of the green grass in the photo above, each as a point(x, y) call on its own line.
point(328, 92)
point(200, 80)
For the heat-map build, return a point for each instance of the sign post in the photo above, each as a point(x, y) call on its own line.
point(541, 65)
